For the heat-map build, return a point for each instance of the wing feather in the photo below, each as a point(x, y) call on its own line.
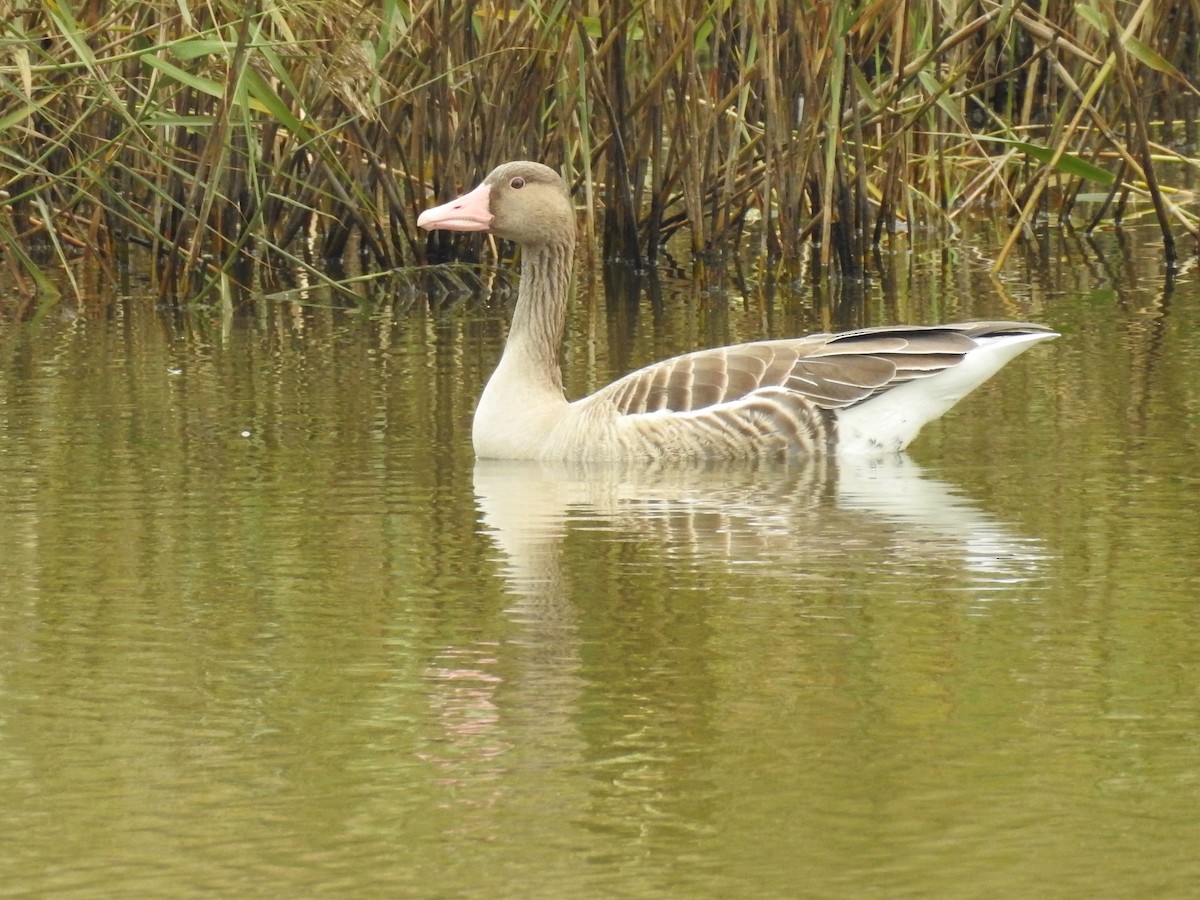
point(826, 371)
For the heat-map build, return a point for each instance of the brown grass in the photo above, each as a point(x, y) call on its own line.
point(244, 141)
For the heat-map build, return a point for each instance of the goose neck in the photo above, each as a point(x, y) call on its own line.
point(540, 316)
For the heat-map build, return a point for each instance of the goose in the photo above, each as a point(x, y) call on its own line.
point(861, 392)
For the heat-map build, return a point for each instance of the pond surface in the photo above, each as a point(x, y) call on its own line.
point(267, 629)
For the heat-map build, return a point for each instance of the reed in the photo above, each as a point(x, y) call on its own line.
point(255, 141)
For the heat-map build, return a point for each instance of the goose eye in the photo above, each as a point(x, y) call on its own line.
point(517, 183)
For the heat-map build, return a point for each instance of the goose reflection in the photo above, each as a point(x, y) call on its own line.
point(609, 684)
point(835, 516)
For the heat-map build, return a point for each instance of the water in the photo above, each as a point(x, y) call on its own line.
point(267, 629)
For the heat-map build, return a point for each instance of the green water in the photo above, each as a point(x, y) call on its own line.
point(267, 630)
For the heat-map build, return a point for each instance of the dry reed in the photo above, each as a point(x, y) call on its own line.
point(258, 136)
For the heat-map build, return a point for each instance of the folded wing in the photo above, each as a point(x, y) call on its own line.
point(827, 371)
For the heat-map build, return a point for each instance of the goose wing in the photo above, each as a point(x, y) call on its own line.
point(826, 371)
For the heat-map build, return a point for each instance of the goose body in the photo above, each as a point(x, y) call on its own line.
point(857, 392)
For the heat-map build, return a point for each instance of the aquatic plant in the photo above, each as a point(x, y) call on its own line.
point(244, 139)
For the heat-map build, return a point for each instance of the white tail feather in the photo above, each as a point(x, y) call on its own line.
point(889, 422)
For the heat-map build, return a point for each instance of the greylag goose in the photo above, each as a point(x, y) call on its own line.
point(857, 392)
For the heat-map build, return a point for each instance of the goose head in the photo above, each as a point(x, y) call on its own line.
point(525, 202)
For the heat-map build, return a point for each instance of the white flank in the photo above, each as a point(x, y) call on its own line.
point(888, 423)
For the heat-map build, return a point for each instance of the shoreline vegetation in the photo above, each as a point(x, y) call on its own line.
point(243, 142)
